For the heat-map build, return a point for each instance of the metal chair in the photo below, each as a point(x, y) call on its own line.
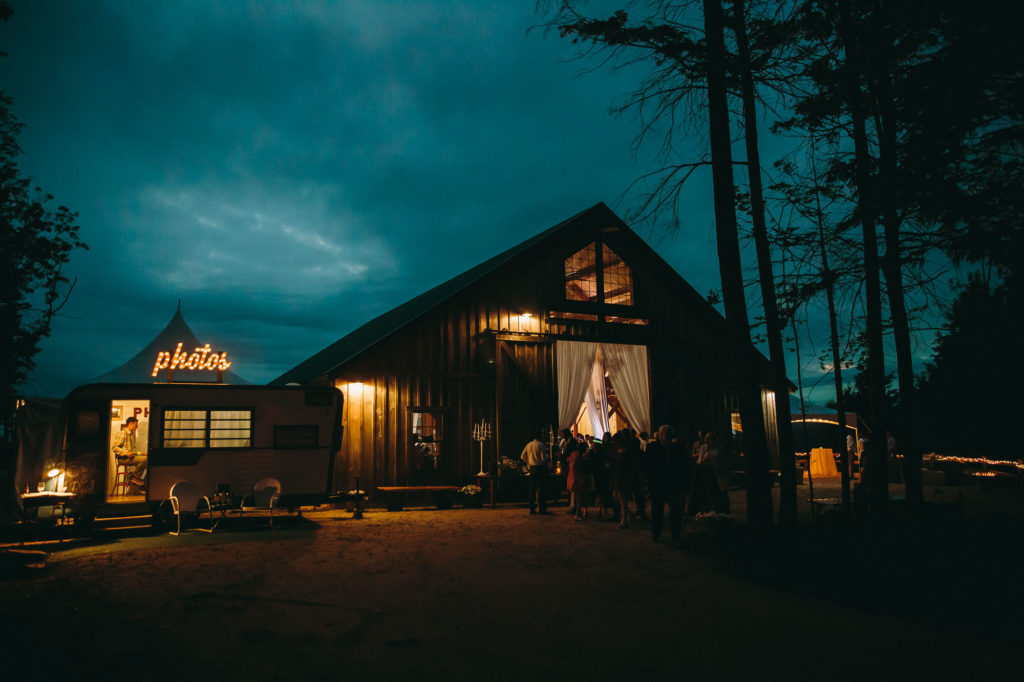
point(185, 499)
point(264, 496)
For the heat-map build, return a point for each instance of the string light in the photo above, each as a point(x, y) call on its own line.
point(201, 358)
point(984, 461)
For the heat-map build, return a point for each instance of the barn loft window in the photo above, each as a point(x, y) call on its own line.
point(581, 275)
point(596, 274)
point(640, 321)
point(618, 279)
point(559, 315)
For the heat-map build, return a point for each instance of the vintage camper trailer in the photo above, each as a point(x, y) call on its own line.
point(223, 438)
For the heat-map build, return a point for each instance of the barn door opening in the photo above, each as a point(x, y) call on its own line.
point(603, 387)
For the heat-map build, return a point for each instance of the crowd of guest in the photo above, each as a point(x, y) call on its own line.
point(619, 474)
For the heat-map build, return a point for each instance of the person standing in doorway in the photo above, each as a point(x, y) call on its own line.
point(571, 447)
point(623, 476)
point(577, 482)
point(535, 457)
point(126, 452)
point(600, 466)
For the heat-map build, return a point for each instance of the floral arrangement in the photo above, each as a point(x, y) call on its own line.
point(712, 516)
point(470, 489)
point(356, 493)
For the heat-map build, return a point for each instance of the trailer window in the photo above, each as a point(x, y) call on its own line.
point(230, 428)
point(296, 436)
point(197, 428)
point(319, 397)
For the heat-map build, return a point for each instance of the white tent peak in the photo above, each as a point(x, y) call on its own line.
point(139, 370)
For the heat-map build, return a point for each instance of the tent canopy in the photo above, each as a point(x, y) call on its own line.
point(139, 370)
point(817, 412)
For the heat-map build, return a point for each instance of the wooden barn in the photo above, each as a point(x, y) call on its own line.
point(583, 324)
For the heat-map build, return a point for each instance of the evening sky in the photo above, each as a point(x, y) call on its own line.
point(289, 171)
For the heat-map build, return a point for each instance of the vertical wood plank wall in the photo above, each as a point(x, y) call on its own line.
point(474, 357)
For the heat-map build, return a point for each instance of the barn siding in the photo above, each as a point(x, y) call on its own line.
point(475, 358)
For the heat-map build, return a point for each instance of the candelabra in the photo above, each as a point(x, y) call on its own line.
point(482, 431)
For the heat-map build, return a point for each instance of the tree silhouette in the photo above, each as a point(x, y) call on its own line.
point(35, 244)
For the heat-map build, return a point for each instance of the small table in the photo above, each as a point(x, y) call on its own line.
point(46, 499)
point(222, 502)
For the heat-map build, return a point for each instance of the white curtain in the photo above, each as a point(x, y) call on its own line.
point(627, 371)
point(230, 428)
point(597, 398)
point(184, 429)
point(581, 370)
point(575, 360)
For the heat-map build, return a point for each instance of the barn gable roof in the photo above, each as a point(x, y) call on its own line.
point(379, 328)
point(384, 325)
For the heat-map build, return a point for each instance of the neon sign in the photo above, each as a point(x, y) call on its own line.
point(201, 358)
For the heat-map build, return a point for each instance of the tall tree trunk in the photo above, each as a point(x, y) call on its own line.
point(755, 446)
point(829, 279)
point(780, 383)
point(877, 475)
point(892, 264)
point(803, 407)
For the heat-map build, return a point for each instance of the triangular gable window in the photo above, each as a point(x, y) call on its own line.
point(598, 275)
point(618, 278)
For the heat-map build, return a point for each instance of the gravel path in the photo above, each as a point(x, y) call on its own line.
point(448, 595)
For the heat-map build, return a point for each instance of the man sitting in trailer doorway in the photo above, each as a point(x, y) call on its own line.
point(126, 452)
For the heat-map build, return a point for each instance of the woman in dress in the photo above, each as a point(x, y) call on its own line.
point(600, 467)
point(623, 477)
point(715, 472)
point(576, 482)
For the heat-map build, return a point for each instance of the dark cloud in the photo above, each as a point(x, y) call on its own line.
point(290, 170)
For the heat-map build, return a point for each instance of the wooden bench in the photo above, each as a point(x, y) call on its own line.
point(394, 495)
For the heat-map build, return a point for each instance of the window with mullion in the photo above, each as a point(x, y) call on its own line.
point(200, 428)
point(230, 428)
point(598, 275)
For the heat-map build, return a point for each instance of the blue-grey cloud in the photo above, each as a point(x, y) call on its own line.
point(290, 170)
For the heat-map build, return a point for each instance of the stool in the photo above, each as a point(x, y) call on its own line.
point(122, 478)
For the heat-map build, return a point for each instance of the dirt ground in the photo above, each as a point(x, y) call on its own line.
point(491, 594)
